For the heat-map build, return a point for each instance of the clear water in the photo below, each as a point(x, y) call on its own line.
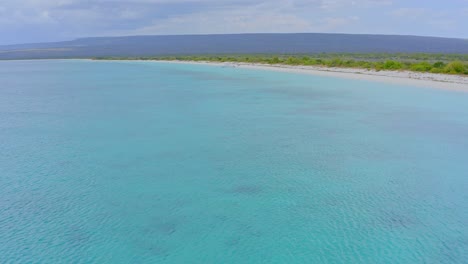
point(140, 162)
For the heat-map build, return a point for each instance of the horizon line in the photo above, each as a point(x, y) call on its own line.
point(225, 34)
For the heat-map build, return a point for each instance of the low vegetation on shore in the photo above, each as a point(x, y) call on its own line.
point(433, 63)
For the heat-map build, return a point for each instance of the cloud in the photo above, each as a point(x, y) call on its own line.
point(233, 21)
point(284, 17)
point(340, 4)
point(409, 12)
point(45, 20)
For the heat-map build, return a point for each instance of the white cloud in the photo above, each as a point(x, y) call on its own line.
point(409, 12)
point(240, 20)
point(66, 19)
point(340, 4)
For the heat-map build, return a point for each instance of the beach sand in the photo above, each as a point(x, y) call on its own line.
point(428, 80)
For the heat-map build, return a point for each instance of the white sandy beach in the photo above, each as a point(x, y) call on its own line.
point(429, 80)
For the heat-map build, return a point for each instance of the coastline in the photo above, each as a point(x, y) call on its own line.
point(428, 80)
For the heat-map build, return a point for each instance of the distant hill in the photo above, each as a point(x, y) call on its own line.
point(233, 44)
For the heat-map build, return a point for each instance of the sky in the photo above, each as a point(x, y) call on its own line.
point(32, 21)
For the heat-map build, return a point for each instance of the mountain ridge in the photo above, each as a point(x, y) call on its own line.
point(281, 43)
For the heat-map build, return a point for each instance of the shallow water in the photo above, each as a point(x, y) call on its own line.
point(141, 162)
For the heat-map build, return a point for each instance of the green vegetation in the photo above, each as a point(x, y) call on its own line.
point(421, 62)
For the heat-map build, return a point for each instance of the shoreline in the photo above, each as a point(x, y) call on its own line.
point(427, 80)
point(410, 78)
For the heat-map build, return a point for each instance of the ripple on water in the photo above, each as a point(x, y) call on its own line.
point(156, 163)
point(246, 190)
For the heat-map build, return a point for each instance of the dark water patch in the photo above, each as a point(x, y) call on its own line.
point(232, 242)
point(369, 151)
point(167, 228)
point(454, 250)
point(124, 164)
point(415, 122)
point(333, 202)
point(394, 220)
point(432, 127)
point(153, 248)
point(178, 203)
point(246, 190)
point(222, 76)
point(221, 218)
point(217, 222)
point(249, 230)
point(303, 93)
point(162, 226)
point(157, 250)
point(329, 109)
point(78, 237)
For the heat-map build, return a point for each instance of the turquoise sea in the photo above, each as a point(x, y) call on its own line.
point(144, 162)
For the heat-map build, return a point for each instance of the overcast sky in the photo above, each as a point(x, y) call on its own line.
point(24, 21)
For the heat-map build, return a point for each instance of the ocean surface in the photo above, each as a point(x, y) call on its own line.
point(143, 162)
